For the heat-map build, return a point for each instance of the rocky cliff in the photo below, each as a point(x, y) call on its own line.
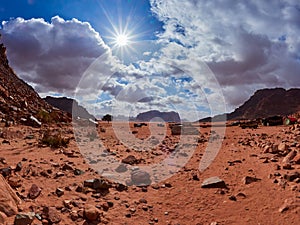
point(19, 103)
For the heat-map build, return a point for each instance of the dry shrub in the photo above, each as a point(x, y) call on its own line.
point(54, 140)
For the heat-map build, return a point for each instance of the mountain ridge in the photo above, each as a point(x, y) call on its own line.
point(264, 103)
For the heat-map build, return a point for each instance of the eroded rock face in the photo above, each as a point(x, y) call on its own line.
point(19, 103)
point(8, 199)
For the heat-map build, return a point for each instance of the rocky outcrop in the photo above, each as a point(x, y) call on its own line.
point(70, 106)
point(166, 116)
point(19, 103)
point(9, 201)
point(265, 103)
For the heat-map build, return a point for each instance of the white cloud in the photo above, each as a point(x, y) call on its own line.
point(239, 41)
point(51, 56)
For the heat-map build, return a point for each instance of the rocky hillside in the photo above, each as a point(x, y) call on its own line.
point(269, 102)
point(265, 103)
point(70, 106)
point(166, 116)
point(19, 103)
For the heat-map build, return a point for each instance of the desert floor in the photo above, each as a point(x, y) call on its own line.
point(273, 198)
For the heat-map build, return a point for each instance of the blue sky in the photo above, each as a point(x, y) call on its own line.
point(198, 57)
point(99, 13)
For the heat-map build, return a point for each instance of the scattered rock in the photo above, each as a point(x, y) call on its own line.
point(24, 218)
point(249, 180)
point(9, 200)
point(297, 158)
point(131, 159)
point(97, 184)
point(289, 204)
point(18, 167)
point(34, 191)
point(140, 178)
point(6, 171)
point(241, 195)
point(292, 176)
point(213, 182)
point(78, 172)
point(121, 168)
point(232, 198)
point(51, 214)
point(282, 147)
point(14, 182)
point(59, 192)
point(91, 212)
point(287, 166)
point(2, 218)
point(289, 157)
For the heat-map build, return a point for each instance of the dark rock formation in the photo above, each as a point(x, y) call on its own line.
point(70, 106)
point(265, 103)
point(166, 116)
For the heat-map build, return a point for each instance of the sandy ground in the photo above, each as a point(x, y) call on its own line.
point(180, 199)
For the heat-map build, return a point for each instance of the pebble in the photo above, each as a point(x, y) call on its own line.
point(34, 191)
point(213, 182)
point(91, 212)
point(24, 218)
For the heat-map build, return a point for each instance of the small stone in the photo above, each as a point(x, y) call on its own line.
point(121, 187)
point(74, 215)
point(121, 168)
point(91, 212)
point(78, 172)
point(105, 206)
point(289, 157)
point(142, 200)
point(297, 158)
point(131, 159)
point(249, 180)
point(18, 167)
point(15, 182)
point(287, 166)
point(51, 214)
point(140, 178)
point(213, 182)
point(282, 147)
point(34, 191)
point(241, 195)
point(2, 217)
point(97, 184)
point(24, 218)
point(145, 208)
point(59, 192)
point(289, 204)
point(292, 176)
point(232, 198)
point(5, 171)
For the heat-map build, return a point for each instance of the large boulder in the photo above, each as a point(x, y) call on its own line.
point(9, 201)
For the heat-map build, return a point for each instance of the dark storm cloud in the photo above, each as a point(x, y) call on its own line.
point(247, 44)
point(51, 56)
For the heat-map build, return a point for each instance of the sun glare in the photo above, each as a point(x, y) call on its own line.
point(121, 40)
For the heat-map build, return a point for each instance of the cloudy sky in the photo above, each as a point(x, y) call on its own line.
point(122, 57)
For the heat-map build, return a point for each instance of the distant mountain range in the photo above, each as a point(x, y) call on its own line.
point(70, 106)
point(151, 115)
point(265, 103)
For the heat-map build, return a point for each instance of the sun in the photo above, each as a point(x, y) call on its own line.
point(122, 40)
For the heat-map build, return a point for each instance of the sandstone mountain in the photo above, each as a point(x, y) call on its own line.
point(166, 116)
point(265, 103)
point(19, 103)
point(70, 106)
